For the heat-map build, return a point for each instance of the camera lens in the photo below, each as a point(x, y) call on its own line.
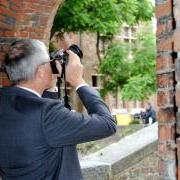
point(62, 56)
point(76, 50)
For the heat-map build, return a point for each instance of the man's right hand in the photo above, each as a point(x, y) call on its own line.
point(74, 70)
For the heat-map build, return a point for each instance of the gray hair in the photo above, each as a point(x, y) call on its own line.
point(23, 59)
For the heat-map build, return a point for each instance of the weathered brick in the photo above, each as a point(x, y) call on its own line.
point(165, 43)
point(164, 61)
point(9, 33)
point(7, 12)
point(6, 82)
point(5, 26)
point(178, 148)
point(168, 40)
point(22, 34)
point(43, 20)
point(164, 27)
point(165, 98)
point(178, 171)
point(166, 132)
point(178, 122)
point(2, 55)
point(25, 19)
point(166, 115)
point(4, 3)
point(177, 68)
point(3, 75)
point(4, 47)
point(178, 95)
point(2, 18)
point(15, 7)
point(176, 39)
point(161, 167)
point(35, 36)
point(17, 2)
point(166, 152)
point(165, 80)
point(164, 9)
point(176, 12)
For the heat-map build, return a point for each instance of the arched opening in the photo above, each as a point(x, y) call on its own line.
point(24, 19)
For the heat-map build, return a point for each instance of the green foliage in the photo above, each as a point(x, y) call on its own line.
point(115, 67)
point(105, 18)
point(135, 121)
point(138, 87)
point(135, 78)
point(102, 16)
point(52, 47)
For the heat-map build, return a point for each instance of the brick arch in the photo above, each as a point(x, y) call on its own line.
point(25, 19)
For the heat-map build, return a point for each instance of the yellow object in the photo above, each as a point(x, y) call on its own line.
point(123, 119)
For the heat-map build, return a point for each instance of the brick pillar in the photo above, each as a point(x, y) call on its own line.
point(168, 78)
point(177, 49)
point(24, 19)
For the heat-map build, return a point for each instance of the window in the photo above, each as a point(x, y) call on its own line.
point(127, 40)
point(94, 81)
point(126, 31)
point(133, 32)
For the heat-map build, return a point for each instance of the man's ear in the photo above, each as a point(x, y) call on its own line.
point(40, 72)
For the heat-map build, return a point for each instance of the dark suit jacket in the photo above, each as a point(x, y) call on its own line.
point(38, 136)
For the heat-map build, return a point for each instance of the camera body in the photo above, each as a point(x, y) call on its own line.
point(62, 56)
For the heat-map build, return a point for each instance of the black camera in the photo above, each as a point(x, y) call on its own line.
point(62, 56)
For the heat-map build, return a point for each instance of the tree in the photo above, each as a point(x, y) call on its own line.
point(115, 67)
point(135, 78)
point(103, 17)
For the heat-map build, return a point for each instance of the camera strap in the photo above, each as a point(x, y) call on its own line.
point(59, 82)
point(66, 98)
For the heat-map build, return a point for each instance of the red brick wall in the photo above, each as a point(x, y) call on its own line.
point(24, 19)
point(168, 78)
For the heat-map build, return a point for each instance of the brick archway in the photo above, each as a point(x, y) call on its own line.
point(25, 19)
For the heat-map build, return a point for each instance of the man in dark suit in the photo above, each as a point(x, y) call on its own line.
point(38, 136)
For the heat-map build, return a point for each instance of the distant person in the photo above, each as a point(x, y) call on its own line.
point(150, 115)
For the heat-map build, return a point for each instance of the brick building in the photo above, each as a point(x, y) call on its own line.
point(33, 19)
point(87, 42)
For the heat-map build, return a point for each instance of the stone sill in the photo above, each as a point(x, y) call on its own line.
point(119, 156)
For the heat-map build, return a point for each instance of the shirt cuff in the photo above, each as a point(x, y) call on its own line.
point(54, 89)
point(81, 85)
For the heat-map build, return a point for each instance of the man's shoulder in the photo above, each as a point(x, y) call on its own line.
point(43, 101)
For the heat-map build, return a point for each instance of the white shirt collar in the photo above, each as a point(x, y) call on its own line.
point(30, 90)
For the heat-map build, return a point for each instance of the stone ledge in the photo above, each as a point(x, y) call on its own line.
point(93, 170)
point(121, 155)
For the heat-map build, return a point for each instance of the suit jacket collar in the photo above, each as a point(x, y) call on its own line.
point(16, 91)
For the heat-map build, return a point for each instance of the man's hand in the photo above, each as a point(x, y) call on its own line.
point(53, 87)
point(74, 70)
